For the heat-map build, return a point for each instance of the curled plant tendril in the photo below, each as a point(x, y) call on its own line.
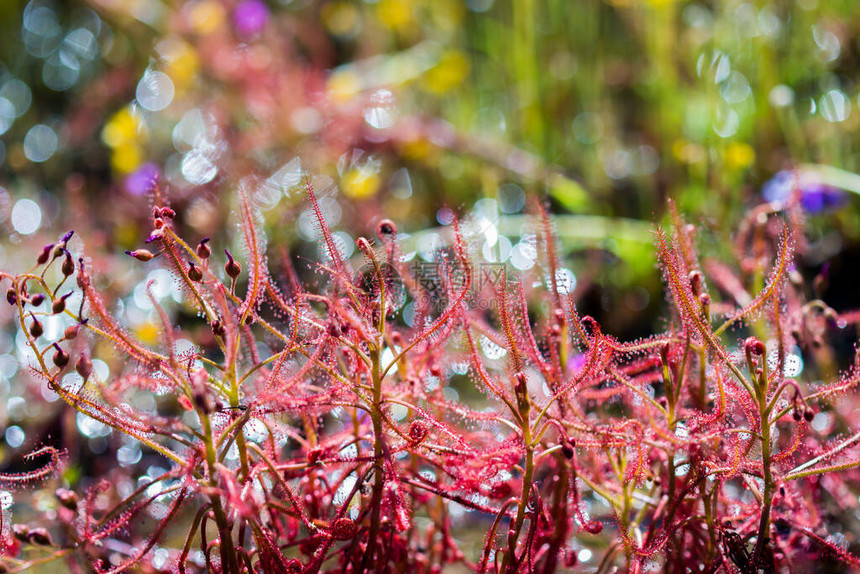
point(49, 469)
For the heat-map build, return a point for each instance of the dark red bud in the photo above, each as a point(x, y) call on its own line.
point(315, 455)
point(11, 296)
point(500, 490)
point(754, 347)
point(36, 329)
point(194, 272)
point(808, 415)
point(521, 383)
point(343, 529)
point(167, 213)
point(45, 254)
point(84, 366)
point(695, 282)
point(37, 299)
point(593, 527)
point(232, 267)
point(570, 558)
point(203, 251)
point(20, 532)
point(59, 304)
point(218, 328)
point(796, 415)
point(566, 450)
point(72, 330)
point(386, 227)
point(417, 431)
point(68, 265)
point(39, 536)
point(61, 358)
point(67, 498)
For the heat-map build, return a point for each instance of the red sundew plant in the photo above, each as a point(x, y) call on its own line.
point(314, 429)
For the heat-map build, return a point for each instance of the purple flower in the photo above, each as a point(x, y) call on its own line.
point(815, 197)
point(250, 17)
point(142, 180)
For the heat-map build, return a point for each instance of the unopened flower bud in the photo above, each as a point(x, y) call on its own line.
point(36, 329)
point(232, 267)
point(45, 254)
point(155, 236)
point(72, 330)
point(68, 265)
point(567, 451)
point(67, 498)
point(417, 431)
point(808, 415)
point(60, 247)
point(194, 272)
point(59, 304)
point(218, 328)
point(695, 282)
point(20, 532)
point(167, 213)
point(343, 529)
point(141, 254)
point(520, 385)
point(39, 536)
point(593, 527)
point(386, 227)
point(37, 299)
point(203, 250)
point(84, 367)
point(61, 358)
point(11, 296)
point(500, 490)
point(754, 347)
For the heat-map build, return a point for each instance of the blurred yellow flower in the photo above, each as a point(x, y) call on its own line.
point(124, 133)
point(341, 18)
point(123, 127)
point(148, 333)
point(180, 62)
point(206, 16)
point(396, 14)
point(360, 183)
point(738, 155)
point(417, 149)
point(126, 157)
point(343, 85)
point(450, 72)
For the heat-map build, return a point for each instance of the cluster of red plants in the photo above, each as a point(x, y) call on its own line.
point(311, 429)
